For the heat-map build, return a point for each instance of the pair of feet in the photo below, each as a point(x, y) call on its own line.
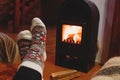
point(32, 44)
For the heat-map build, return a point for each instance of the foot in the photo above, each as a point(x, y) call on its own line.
point(37, 52)
point(24, 42)
point(36, 55)
point(38, 31)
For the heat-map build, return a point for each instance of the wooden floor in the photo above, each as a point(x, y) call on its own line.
point(50, 66)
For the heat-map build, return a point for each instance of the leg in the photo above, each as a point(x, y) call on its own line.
point(32, 65)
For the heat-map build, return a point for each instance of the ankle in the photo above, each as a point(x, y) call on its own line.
point(24, 46)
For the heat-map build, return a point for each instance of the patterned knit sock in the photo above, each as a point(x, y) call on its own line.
point(36, 55)
point(38, 31)
point(24, 42)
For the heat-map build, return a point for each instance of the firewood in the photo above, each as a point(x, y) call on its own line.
point(61, 74)
point(70, 77)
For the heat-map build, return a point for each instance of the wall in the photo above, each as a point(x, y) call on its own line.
point(49, 10)
point(101, 4)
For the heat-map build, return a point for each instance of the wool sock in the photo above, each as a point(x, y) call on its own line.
point(36, 55)
point(24, 42)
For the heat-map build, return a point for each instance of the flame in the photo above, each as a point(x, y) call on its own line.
point(72, 33)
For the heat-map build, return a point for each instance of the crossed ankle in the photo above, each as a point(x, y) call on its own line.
point(35, 56)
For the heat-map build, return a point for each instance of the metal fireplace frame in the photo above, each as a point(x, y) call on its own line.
point(79, 56)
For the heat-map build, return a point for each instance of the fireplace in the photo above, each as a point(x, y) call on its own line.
point(71, 34)
point(76, 38)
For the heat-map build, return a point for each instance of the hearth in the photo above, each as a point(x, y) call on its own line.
point(76, 38)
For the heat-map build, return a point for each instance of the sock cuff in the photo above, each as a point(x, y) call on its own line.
point(33, 66)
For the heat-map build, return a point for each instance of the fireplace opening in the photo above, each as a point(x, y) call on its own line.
point(71, 34)
point(76, 35)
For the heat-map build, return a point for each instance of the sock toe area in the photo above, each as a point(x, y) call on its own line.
point(26, 34)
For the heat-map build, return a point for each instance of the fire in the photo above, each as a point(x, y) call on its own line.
point(71, 34)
